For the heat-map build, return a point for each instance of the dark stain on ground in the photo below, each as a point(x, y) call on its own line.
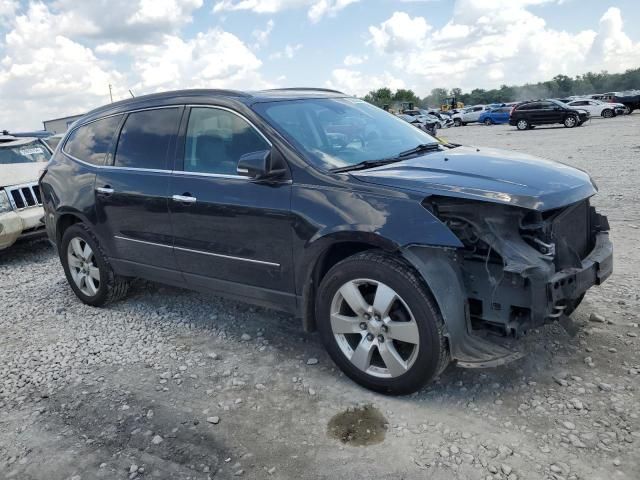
point(358, 426)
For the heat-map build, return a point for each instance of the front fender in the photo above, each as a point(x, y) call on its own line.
point(327, 215)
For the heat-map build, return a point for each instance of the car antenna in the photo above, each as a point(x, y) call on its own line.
point(131, 93)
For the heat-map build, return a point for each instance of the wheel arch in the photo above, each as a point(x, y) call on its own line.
point(64, 220)
point(326, 253)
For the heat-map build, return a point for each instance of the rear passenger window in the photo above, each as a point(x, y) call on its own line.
point(91, 142)
point(145, 138)
point(216, 139)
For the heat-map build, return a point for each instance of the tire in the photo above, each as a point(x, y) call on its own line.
point(457, 122)
point(608, 113)
point(488, 122)
point(385, 363)
point(570, 121)
point(522, 124)
point(100, 284)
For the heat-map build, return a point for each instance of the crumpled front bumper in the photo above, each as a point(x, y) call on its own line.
point(15, 224)
point(596, 268)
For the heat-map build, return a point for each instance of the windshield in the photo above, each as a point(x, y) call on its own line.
point(339, 132)
point(24, 153)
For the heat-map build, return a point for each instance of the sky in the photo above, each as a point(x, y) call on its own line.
point(58, 57)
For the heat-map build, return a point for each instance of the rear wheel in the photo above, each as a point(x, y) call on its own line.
point(607, 113)
point(522, 124)
point(571, 121)
point(87, 269)
point(380, 324)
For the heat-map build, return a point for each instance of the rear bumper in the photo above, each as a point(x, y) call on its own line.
point(20, 224)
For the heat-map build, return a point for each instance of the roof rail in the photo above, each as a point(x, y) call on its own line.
point(303, 89)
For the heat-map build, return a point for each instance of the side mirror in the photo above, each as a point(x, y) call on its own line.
point(256, 165)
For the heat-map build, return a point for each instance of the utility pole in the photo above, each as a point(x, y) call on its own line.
point(110, 94)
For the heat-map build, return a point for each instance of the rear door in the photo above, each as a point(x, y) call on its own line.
point(231, 233)
point(548, 112)
point(132, 189)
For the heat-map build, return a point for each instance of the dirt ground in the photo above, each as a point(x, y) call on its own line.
point(171, 384)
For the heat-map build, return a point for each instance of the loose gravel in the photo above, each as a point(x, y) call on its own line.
point(171, 384)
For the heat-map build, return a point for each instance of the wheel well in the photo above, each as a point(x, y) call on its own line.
point(64, 222)
point(327, 259)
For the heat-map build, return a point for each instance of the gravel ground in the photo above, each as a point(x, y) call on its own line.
point(170, 384)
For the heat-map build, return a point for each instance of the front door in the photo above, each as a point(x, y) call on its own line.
point(231, 233)
point(132, 188)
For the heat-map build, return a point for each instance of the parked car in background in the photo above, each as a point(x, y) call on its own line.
point(394, 248)
point(630, 99)
point(21, 161)
point(596, 108)
point(430, 116)
point(495, 116)
point(54, 140)
point(545, 112)
point(469, 115)
point(428, 123)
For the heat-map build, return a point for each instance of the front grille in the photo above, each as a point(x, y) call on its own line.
point(24, 196)
point(572, 234)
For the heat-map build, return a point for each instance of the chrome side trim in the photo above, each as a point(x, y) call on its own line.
point(142, 241)
point(214, 175)
point(219, 255)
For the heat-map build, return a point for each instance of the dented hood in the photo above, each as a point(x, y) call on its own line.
point(19, 173)
point(486, 174)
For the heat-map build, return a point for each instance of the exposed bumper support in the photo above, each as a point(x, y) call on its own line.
point(536, 291)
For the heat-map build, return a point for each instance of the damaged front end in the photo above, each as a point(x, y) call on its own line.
point(518, 269)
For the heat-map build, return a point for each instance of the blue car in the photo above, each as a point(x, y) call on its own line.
point(495, 116)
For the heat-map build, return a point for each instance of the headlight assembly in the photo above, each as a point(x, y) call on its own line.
point(5, 205)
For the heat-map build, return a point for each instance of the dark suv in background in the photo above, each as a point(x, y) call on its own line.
point(403, 252)
point(544, 112)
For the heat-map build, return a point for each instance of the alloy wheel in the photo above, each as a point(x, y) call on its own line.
point(83, 268)
point(570, 121)
point(374, 328)
point(522, 124)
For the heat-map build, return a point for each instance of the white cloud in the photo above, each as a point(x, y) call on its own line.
point(262, 36)
point(288, 52)
point(399, 33)
point(45, 74)
point(486, 44)
point(317, 9)
point(111, 48)
point(355, 82)
point(351, 60)
point(8, 9)
point(177, 63)
point(47, 70)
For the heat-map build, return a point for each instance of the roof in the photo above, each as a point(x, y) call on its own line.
point(63, 118)
point(11, 141)
point(246, 97)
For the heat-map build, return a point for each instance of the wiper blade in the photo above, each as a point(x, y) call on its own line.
point(365, 164)
point(423, 147)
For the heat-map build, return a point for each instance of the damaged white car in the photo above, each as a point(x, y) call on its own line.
point(21, 162)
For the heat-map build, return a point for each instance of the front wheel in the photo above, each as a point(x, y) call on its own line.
point(607, 113)
point(571, 121)
point(87, 268)
point(522, 124)
point(380, 324)
point(457, 122)
point(488, 122)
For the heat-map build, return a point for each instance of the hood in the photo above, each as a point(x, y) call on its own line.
point(19, 173)
point(486, 174)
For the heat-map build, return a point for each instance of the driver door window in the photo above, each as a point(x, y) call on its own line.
point(216, 139)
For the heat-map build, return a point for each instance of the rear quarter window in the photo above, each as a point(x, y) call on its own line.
point(90, 143)
point(145, 138)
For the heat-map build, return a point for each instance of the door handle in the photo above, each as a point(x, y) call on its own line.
point(106, 190)
point(184, 198)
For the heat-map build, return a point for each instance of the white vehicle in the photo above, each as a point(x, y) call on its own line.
point(21, 161)
point(469, 115)
point(597, 108)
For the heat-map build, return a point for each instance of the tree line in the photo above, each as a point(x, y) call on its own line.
point(558, 87)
